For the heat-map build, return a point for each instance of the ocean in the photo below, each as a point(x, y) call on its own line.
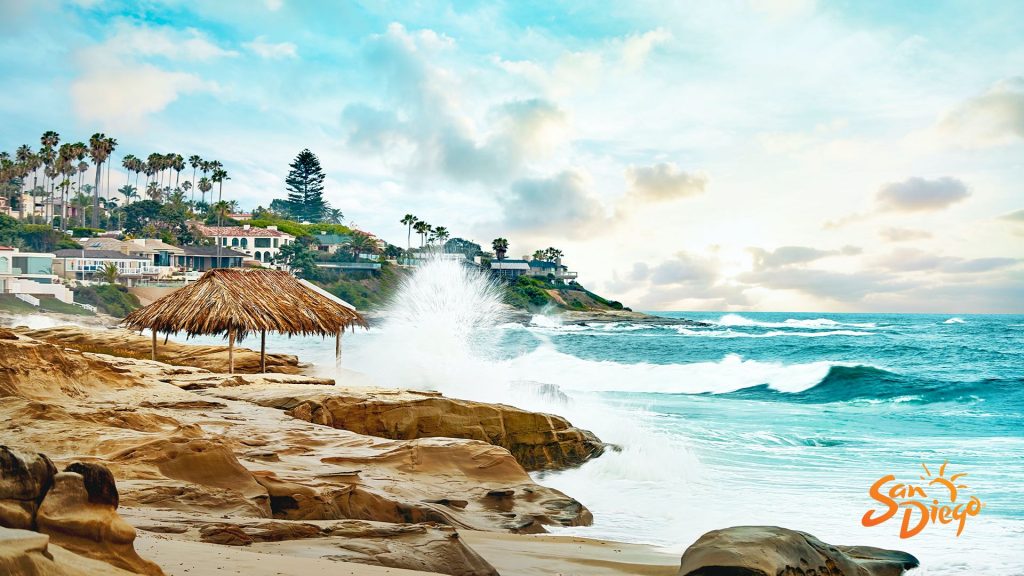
point(756, 418)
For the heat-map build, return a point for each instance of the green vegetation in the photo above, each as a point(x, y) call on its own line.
point(10, 304)
point(366, 290)
point(536, 294)
point(305, 183)
point(108, 298)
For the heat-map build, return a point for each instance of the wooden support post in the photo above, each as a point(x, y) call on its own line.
point(263, 352)
point(154, 344)
point(231, 351)
point(337, 350)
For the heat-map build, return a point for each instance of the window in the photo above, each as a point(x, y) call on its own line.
point(234, 242)
point(223, 241)
point(258, 255)
point(245, 243)
point(261, 242)
point(266, 256)
point(275, 242)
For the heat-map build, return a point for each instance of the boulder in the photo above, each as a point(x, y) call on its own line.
point(24, 480)
point(79, 513)
point(774, 551)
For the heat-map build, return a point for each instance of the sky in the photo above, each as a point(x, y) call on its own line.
point(770, 155)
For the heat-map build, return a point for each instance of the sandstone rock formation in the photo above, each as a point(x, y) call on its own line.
point(538, 441)
point(79, 513)
point(123, 343)
point(774, 551)
point(25, 553)
point(196, 456)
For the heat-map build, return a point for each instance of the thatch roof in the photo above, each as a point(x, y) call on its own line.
point(226, 299)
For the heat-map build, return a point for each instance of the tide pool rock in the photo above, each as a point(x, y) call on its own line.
point(775, 551)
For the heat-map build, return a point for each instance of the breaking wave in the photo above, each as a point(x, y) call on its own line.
point(812, 324)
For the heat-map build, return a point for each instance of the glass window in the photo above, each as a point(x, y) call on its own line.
point(234, 242)
point(245, 243)
point(275, 242)
point(261, 242)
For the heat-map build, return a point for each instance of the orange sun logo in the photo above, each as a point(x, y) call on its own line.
point(949, 483)
point(913, 499)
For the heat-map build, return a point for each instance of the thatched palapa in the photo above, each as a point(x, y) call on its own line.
point(239, 302)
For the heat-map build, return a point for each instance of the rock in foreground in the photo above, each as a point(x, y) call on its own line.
point(772, 551)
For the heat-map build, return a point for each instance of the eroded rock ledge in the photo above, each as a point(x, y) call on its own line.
point(538, 441)
point(127, 344)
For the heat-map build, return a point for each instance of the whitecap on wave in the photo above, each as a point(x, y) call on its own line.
point(812, 324)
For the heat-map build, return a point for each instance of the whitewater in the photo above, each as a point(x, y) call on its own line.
point(754, 418)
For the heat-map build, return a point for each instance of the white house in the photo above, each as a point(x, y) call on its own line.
point(84, 264)
point(260, 244)
point(30, 274)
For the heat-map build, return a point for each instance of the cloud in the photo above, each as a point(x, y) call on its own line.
point(663, 182)
point(788, 255)
point(140, 41)
point(1015, 216)
point(273, 5)
point(912, 260)
point(920, 194)
point(990, 119)
point(435, 132)
point(561, 203)
point(637, 47)
point(903, 234)
point(122, 96)
point(121, 83)
point(271, 51)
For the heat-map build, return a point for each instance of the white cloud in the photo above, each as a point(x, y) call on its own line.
point(438, 134)
point(990, 119)
point(788, 255)
point(273, 5)
point(662, 182)
point(920, 194)
point(637, 47)
point(270, 50)
point(140, 41)
point(903, 234)
point(1015, 216)
point(122, 96)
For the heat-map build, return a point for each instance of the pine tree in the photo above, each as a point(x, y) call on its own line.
point(305, 183)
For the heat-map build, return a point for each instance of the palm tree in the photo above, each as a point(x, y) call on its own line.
point(83, 167)
point(441, 234)
point(362, 243)
point(177, 163)
point(219, 176)
point(195, 161)
point(129, 192)
point(205, 186)
point(100, 148)
point(154, 192)
point(30, 160)
point(422, 228)
point(500, 246)
point(408, 220)
point(128, 162)
point(334, 216)
point(110, 273)
point(49, 141)
point(538, 255)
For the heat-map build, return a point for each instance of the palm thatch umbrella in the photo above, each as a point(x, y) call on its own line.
point(239, 302)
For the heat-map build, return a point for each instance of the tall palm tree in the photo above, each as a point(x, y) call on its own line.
point(194, 161)
point(186, 186)
point(408, 220)
point(154, 193)
point(128, 162)
point(49, 141)
point(422, 228)
point(100, 148)
point(500, 246)
point(177, 163)
point(83, 167)
point(129, 192)
point(31, 162)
